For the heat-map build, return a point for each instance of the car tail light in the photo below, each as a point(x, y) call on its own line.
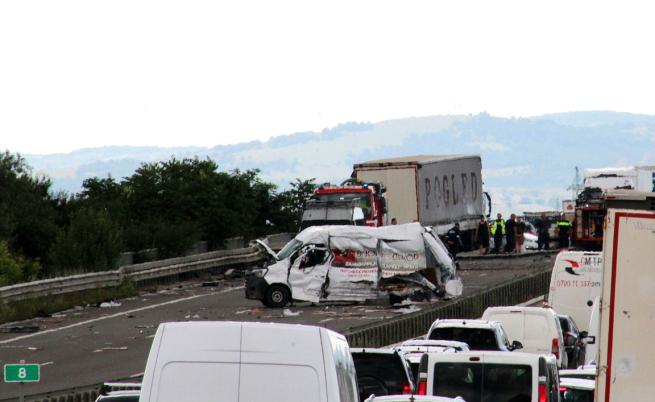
point(407, 389)
point(555, 349)
point(543, 393)
point(562, 389)
point(422, 387)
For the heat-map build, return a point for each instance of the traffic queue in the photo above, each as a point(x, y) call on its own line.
point(509, 354)
point(522, 353)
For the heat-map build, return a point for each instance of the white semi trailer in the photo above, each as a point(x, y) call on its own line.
point(435, 190)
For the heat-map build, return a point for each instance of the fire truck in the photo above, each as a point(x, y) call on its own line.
point(350, 203)
point(590, 209)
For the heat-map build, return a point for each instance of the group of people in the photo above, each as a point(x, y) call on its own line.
point(510, 230)
point(563, 230)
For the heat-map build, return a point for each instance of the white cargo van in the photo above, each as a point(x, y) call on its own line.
point(626, 356)
point(490, 376)
point(536, 328)
point(248, 362)
point(355, 263)
point(574, 284)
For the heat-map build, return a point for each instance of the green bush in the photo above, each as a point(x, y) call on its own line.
point(14, 269)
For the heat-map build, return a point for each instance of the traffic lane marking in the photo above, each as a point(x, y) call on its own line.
point(116, 315)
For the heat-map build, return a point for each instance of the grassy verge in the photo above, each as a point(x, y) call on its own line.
point(44, 306)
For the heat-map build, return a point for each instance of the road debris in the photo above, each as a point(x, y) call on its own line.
point(110, 304)
point(110, 348)
point(288, 313)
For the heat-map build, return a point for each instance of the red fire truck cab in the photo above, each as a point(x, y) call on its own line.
point(369, 197)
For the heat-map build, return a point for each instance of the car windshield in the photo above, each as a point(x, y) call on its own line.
point(290, 248)
point(362, 198)
point(483, 382)
point(476, 338)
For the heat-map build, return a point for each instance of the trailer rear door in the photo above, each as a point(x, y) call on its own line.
point(626, 350)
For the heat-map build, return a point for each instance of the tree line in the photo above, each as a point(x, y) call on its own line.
point(168, 206)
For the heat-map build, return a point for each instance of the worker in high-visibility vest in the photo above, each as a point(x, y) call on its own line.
point(563, 232)
point(497, 228)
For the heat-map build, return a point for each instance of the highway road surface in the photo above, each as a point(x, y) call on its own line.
point(90, 344)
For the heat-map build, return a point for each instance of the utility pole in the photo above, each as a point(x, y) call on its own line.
point(576, 186)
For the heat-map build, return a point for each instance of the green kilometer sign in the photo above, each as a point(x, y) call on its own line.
point(22, 372)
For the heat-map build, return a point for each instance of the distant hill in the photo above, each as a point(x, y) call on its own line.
point(528, 162)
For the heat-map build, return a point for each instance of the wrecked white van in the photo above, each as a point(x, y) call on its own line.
point(356, 263)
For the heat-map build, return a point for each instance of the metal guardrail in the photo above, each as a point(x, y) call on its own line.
point(137, 272)
point(416, 324)
point(141, 272)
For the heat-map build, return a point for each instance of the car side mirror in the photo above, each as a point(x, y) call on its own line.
point(517, 345)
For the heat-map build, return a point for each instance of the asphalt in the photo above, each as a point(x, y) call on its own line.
point(90, 344)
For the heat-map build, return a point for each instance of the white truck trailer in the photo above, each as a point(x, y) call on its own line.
point(639, 178)
point(435, 190)
point(626, 356)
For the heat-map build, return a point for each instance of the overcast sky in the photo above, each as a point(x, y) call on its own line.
point(77, 74)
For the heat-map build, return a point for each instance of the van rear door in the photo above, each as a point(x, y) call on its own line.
point(538, 333)
point(512, 323)
point(278, 367)
point(626, 357)
point(207, 371)
point(480, 379)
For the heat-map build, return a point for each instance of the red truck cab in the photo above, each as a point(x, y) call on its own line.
point(590, 214)
point(370, 195)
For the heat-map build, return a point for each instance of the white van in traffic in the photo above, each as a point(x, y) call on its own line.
point(576, 281)
point(536, 328)
point(248, 362)
point(490, 376)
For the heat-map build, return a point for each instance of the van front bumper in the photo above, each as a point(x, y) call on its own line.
point(255, 287)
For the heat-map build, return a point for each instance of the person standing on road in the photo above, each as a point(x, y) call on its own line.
point(563, 232)
point(510, 229)
point(453, 240)
point(498, 232)
point(543, 238)
point(482, 235)
point(520, 230)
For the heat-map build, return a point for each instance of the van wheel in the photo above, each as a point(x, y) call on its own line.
point(277, 296)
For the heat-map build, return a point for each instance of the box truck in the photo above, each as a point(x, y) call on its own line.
point(626, 356)
point(435, 190)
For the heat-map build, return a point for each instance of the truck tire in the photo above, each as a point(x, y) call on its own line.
point(277, 296)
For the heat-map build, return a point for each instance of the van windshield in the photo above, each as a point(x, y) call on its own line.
point(483, 382)
point(290, 248)
point(477, 338)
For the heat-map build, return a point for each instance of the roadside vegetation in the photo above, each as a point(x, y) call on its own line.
point(167, 206)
